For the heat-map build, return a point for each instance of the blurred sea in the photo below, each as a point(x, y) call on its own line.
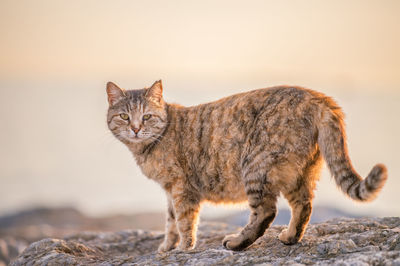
point(56, 149)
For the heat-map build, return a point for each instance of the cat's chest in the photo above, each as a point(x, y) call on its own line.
point(159, 167)
point(152, 169)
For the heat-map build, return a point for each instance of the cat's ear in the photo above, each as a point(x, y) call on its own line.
point(115, 93)
point(155, 91)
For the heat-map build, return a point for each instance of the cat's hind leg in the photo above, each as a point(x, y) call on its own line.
point(262, 202)
point(301, 213)
point(300, 197)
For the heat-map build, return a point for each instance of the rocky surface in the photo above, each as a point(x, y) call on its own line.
point(362, 241)
point(18, 230)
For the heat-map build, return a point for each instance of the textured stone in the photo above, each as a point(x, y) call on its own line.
point(364, 241)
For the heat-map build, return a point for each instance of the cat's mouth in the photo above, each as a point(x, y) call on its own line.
point(136, 139)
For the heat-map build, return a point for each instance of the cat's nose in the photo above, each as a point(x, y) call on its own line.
point(136, 130)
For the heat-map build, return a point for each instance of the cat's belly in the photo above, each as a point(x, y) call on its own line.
point(227, 190)
point(222, 178)
point(226, 197)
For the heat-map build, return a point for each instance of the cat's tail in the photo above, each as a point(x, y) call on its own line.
point(332, 143)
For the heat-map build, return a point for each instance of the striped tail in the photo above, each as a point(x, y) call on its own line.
point(332, 143)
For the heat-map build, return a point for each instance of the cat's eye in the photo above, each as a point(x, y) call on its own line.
point(124, 116)
point(146, 117)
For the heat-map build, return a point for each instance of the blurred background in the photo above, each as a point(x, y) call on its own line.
point(56, 57)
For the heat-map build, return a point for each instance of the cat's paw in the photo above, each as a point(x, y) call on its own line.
point(286, 238)
point(184, 247)
point(236, 242)
point(165, 246)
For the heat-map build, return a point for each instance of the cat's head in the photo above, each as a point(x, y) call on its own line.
point(136, 116)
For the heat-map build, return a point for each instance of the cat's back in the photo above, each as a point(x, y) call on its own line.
point(253, 102)
point(226, 124)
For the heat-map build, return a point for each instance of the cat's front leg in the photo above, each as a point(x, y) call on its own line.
point(186, 205)
point(171, 233)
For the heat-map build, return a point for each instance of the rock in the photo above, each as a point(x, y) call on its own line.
point(362, 241)
point(18, 230)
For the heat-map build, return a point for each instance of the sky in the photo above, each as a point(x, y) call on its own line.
point(56, 56)
point(356, 40)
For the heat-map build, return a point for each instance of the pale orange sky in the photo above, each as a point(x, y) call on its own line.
point(283, 40)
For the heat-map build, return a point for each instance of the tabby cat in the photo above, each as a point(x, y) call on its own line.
point(251, 147)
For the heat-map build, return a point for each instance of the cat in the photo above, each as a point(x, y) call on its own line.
point(251, 147)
